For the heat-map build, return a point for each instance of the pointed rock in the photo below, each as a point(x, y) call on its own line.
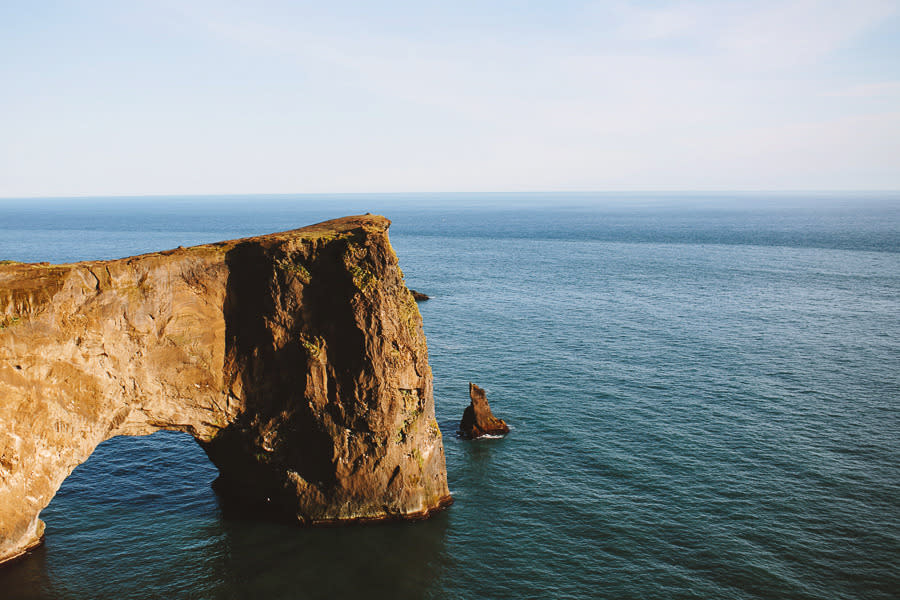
point(478, 420)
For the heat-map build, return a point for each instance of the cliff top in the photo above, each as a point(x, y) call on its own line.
point(24, 286)
point(332, 228)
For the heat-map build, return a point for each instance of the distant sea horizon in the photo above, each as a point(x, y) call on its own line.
point(578, 197)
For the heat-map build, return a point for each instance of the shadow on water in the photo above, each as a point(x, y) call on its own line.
point(139, 519)
point(387, 560)
point(26, 578)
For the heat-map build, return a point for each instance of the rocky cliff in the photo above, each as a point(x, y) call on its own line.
point(297, 360)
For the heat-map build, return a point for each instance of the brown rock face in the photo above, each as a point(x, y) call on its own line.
point(297, 360)
point(477, 419)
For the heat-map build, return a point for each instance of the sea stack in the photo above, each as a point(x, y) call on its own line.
point(296, 360)
point(477, 419)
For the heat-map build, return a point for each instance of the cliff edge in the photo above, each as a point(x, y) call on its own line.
point(297, 360)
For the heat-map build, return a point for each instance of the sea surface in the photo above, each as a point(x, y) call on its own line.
point(703, 389)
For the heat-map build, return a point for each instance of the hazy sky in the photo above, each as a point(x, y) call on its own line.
point(169, 97)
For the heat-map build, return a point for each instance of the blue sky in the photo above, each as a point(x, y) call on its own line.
point(214, 97)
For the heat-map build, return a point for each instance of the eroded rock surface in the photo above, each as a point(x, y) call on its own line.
point(297, 360)
point(477, 419)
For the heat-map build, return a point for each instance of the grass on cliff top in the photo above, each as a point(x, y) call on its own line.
point(335, 228)
point(327, 231)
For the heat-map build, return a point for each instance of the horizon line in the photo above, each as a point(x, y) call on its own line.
point(212, 195)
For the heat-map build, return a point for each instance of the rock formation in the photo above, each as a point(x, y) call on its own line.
point(297, 360)
point(477, 419)
point(419, 296)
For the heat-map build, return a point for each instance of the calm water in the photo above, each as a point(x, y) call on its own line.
point(704, 393)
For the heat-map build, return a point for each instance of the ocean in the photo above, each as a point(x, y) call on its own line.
point(703, 391)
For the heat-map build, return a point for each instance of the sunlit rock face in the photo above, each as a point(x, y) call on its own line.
point(297, 360)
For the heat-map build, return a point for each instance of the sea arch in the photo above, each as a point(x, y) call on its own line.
point(297, 360)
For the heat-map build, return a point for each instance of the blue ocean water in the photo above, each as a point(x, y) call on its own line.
point(704, 392)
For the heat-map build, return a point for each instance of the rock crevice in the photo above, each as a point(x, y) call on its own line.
point(297, 360)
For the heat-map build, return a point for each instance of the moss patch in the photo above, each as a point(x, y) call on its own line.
point(7, 322)
point(363, 279)
point(297, 270)
point(312, 345)
point(408, 426)
point(409, 313)
point(434, 429)
point(419, 460)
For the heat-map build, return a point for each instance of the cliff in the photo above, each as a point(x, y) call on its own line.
point(297, 360)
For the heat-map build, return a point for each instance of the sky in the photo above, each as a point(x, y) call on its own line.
point(220, 97)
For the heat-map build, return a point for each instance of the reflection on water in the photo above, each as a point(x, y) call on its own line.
point(390, 560)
